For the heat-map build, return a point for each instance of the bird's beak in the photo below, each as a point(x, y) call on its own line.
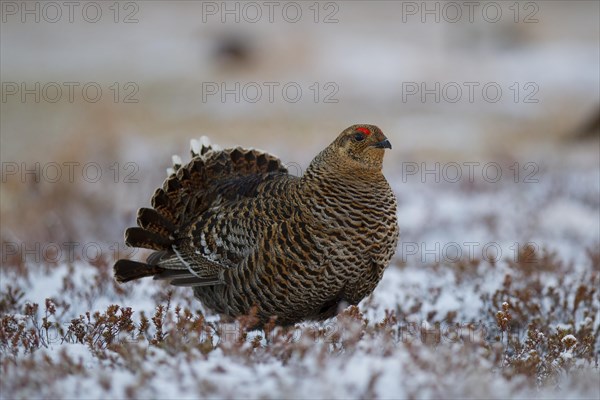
point(384, 144)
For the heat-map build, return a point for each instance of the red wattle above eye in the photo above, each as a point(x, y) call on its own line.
point(364, 130)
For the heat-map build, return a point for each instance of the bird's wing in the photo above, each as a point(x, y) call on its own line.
point(224, 235)
point(238, 234)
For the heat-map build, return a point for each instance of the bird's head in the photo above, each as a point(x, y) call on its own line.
point(362, 146)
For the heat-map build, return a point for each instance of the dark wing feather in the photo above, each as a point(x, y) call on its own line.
point(250, 216)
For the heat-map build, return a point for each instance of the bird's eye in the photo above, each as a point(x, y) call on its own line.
point(359, 137)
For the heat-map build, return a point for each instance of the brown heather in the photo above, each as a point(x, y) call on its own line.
point(96, 332)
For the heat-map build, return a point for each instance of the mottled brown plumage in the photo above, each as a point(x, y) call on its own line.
point(235, 226)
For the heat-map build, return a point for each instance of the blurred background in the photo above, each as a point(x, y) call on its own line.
point(493, 111)
point(116, 88)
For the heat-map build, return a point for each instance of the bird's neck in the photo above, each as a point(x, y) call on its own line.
point(327, 169)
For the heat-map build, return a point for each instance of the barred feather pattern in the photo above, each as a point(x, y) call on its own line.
point(243, 233)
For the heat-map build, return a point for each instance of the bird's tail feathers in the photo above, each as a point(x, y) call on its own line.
point(189, 190)
point(192, 187)
point(128, 270)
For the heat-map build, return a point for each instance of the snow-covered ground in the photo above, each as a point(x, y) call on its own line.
point(430, 330)
point(493, 292)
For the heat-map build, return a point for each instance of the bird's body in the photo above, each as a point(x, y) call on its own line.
point(243, 233)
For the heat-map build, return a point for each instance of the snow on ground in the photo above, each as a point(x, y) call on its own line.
point(430, 330)
point(493, 292)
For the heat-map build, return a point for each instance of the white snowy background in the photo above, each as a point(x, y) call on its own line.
point(460, 238)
